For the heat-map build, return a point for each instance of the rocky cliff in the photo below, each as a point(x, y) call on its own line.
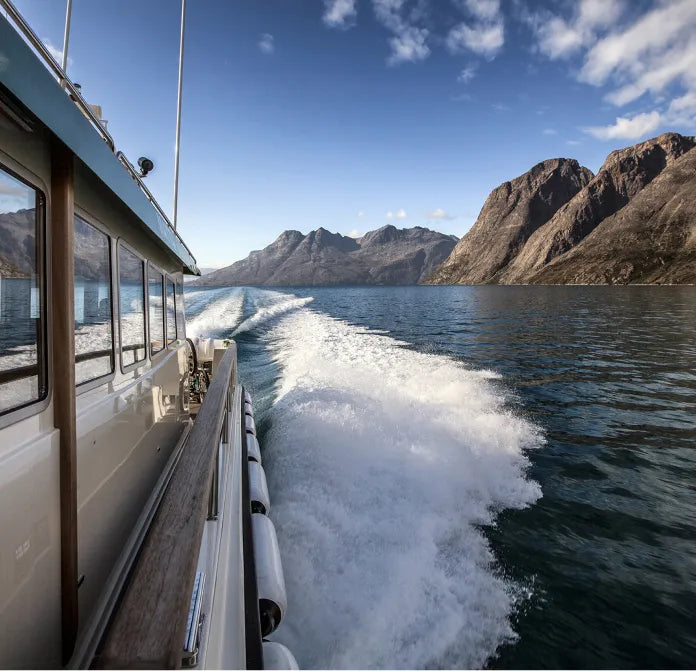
point(511, 214)
point(652, 240)
point(386, 256)
point(628, 223)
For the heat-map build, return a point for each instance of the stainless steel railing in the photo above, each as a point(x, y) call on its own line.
point(34, 41)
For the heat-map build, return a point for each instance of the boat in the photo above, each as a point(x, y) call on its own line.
point(133, 502)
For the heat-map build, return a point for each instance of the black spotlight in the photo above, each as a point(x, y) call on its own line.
point(146, 165)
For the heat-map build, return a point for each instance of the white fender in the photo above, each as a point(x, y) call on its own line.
point(247, 397)
point(277, 656)
point(250, 425)
point(258, 489)
point(248, 410)
point(270, 582)
point(253, 449)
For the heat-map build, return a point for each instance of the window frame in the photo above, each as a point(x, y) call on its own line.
point(179, 300)
point(43, 265)
point(162, 274)
point(120, 242)
point(174, 342)
point(107, 377)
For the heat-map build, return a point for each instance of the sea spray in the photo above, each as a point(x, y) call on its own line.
point(264, 313)
point(382, 464)
point(210, 312)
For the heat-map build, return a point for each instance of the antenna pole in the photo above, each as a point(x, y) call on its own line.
point(66, 35)
point(178, 111)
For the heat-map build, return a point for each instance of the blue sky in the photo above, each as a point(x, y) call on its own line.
point(351, 114)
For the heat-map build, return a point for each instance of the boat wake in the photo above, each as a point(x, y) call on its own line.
point(382, 463)
point(211, 312)
point(272, 311)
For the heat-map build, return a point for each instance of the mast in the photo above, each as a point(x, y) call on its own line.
point(178, 111)
point(66, 37)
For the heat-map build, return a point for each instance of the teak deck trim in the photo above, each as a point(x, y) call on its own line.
point(149, 625)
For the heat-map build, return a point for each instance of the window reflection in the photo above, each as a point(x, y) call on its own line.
point(171, 313)
point(22, 359)
point(93, 330)
point(131, 289)
point(180, 316)
point(156, 310)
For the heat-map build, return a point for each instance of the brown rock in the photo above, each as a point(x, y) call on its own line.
point(511, 214)
point(624, 174)
point(650, 240)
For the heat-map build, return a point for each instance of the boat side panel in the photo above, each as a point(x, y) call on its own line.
point(30, 613)
point(127, 430)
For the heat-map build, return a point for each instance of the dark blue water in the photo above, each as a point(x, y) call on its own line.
point(602, 566)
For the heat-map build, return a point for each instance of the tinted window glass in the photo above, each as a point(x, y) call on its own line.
point(180, 316)
point(131, 288)
point(156, 310)
point(22, 350)
point(171, 312)
point(94, 355)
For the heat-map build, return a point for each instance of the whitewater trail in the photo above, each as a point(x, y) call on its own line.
point(263, 314)
point(213, 311)
point(382, 462)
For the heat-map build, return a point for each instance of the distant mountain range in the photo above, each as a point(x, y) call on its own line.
point(632, 222)
point(385, 256)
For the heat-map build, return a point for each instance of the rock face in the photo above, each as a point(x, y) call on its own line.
point(624, 174)
point(511, 214)
point(386, 256)
point(652, 240)
point(632, 222)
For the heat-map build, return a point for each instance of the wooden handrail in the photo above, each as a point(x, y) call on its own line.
point(148, 628)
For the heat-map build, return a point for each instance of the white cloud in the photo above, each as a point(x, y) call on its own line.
point(627, 128)
point(486, 10)
point(499, 107)
point(647, 37)
point(439, 213)
point(484, 39)
point(467, 74)
point(409, 42)
point(653, 53)
point(399, 214)
point(355, 234)
point(57, 53)
point(573, 143)
point(266, 44)
point(409, 45)
point(559, 37)
point(483, 32)
point(550, 131)
point(340, 13)
point(361, 214)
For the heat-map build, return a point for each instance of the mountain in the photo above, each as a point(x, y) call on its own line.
point(628, 223)
point(622, 176)
point(385, 256)
point(650, 240)
point(511, 214)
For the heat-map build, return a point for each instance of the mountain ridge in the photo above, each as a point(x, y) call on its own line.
point(387, 256)
point(585, 240)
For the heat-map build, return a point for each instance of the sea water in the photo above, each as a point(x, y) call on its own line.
point(470, 476)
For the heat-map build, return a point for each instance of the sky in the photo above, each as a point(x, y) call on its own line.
point(352, 114)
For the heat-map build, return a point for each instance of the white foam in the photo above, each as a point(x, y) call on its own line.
point(382, 462)
point(277, 308)
point(222, 309)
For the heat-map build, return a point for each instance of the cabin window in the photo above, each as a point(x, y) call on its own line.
point(94, 354)
point(180, 317)
point(171, 312)
point(154, 281)
point(23, 378)
point(131, 289)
